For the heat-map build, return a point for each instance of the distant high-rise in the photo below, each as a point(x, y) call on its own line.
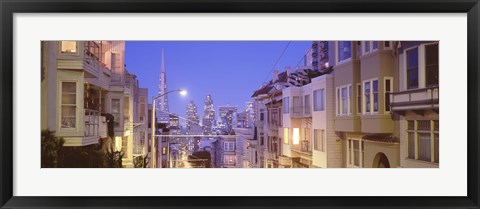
point(208, 115)
point(250, 114)
point(228, 117)
point(193, 120)
point(163, 115)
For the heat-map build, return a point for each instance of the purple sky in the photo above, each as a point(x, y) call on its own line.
point(228, 70)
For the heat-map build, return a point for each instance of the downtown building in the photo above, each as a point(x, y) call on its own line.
point(84, 83)
point(208, 116)
point(228, 118)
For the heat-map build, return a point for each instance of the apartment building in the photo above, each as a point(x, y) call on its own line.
point(415, 102)
point(364, 73)
point(81, 80)
point(267, 120)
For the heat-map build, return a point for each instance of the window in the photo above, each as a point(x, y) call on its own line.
point(375, 95)
point(297, 104)
point(296, 135)
point(431, 65)
point(344, 100)
point(350, 99)
point(69, 104)
point(374, 45)
point(285, 105)
point(412, 68)
point(307, 104)
point(370, 94)
point(262, 139)
point(386, 44)
point(421, 136)
point(388, 91)
point(229, 146)
point(318, 100)
point(319, 139)
point(116, 111)
point(359, 98)
point(261, 116)
point(344, 50)
point(367, 96)
point(369, 46)
point(338, 101)
point(285, 135)
point(229, 159)
point(356, 153)
point(69, 47)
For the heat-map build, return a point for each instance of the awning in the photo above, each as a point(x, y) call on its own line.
point(388, 138)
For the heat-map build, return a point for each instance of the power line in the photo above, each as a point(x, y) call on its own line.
point(278, 60)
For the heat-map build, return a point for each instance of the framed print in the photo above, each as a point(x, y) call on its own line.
point(266, 104)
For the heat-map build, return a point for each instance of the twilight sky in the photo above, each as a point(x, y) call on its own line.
point(228, 70)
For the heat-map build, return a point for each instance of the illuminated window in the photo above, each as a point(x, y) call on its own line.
point(296, 135)
point(285, 135)
point(69, 106)
point(69, 46)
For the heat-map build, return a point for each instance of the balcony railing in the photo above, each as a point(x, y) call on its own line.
point(300, 111)
point(92, 123)
point(424, 98)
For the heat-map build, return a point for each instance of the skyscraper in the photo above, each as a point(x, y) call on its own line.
point(228, 115)
point(208, 115)
point(193, 126)
point(162, 102)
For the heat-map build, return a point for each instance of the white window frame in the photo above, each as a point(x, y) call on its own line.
point(415, 132)
point(339, 100)
point(322, 100)
point(350, 153)
point(370, 47)
point(76, 105)
point(364, 100)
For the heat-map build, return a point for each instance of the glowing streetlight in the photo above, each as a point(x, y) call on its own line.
point(154, 99)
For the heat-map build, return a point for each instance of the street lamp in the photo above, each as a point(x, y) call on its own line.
point(154, 155)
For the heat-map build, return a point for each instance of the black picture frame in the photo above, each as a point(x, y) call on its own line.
point(10, 7)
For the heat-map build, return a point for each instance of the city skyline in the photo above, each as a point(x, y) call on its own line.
point(144, 59)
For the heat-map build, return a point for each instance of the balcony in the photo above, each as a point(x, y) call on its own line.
point(303, 149)
point(415, 99)
point(95, 125)
point(300, 112)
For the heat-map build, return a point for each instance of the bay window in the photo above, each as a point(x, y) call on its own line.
point(285, 105)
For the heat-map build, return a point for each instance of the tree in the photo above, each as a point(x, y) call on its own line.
point(141, 161)
point(200, 159)
point(50, 149)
